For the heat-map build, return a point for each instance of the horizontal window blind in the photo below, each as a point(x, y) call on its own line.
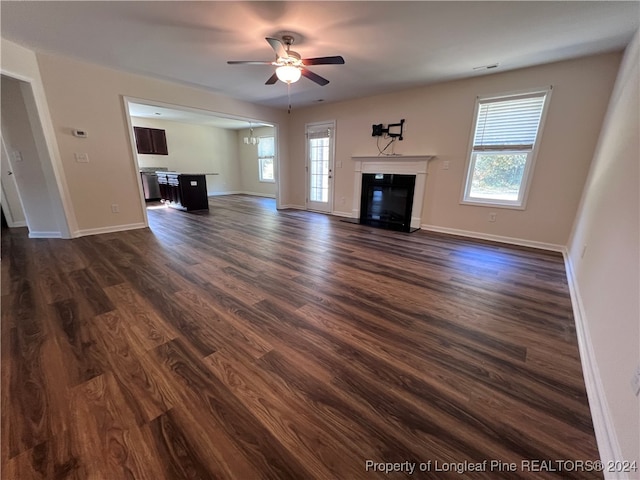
point(266, 147)
point(318, 132)
point(508, 124)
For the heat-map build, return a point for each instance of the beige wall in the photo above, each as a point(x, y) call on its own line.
point(197, 149)
point(248, 161)
point(607, 274)
point(438, 122)
point(88, 97)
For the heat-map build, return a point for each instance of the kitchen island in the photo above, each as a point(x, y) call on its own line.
point(184, 191)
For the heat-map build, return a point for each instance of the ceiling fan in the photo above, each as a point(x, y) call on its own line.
point(289, 65)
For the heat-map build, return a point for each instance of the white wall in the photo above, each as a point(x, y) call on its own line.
point(439, 119)
point(607, 277)
point(90, 98)
point(248, 161)
point(197, 149)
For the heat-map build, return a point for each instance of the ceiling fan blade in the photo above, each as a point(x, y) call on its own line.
point(314, 77)
point(272, 79)
point(336, 60)
point(248, 62)
point(278, 47)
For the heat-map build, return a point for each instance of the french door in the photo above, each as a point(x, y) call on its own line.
point(320, 153)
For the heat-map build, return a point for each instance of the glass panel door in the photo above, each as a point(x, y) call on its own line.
point(320, 166)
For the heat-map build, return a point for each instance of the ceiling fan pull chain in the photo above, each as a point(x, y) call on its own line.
point(289, 97)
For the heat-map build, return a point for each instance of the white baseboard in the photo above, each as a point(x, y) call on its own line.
point(495, 238)
point(45, 235)
point(342, 214)
point(241, 192)
point(217, 194)
point(606, 437)
point(113, 229)
point(292, 207)
point(256, 194)
point(22, 223)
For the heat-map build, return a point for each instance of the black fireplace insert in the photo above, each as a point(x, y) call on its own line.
point(387, 200)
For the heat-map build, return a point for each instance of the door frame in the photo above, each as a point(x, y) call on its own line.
point(332, 164)
point(50, 159)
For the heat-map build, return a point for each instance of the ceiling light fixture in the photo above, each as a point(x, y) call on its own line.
point(288, 73)
point(251, 140)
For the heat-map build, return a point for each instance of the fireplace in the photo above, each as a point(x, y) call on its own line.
point(387, 200)
point(398, 166)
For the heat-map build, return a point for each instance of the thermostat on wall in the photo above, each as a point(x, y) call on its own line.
point(80, 133)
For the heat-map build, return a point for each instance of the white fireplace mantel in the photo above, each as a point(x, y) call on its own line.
point(400, 164)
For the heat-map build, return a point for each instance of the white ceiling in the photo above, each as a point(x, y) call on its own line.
point(387, 46)
point(183, 115)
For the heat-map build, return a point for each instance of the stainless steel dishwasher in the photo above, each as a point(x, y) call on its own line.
point(150, 185)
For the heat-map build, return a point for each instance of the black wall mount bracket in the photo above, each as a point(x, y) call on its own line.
point(393, 130)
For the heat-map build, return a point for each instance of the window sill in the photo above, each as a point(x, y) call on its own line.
point(267, 181)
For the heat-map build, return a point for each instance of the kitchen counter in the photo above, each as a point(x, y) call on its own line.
point(184, 191)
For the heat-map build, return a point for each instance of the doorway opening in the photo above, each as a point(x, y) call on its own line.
point(227, 150)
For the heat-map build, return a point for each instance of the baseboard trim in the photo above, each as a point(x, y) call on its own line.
point(21, 223)
point(342, 214)
point(113, 229)
point(45, 235)
point(256, 194)
point(292, 207)
point(495, 238)
point(218, 194)
point(239, 192)
point(603, 427)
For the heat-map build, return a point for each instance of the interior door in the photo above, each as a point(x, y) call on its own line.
point(320, 162)
point(11, 203)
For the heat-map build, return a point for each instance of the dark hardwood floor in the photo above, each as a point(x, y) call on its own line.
point(249, 343)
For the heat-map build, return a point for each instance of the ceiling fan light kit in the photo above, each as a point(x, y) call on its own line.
point(290, 66)
point(288, 73)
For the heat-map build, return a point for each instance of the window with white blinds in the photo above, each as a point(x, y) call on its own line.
point(266, 154)
point(505, 134)
point(508, 124)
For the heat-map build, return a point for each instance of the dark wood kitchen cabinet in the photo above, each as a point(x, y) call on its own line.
point(151, 141)
point(183, 191)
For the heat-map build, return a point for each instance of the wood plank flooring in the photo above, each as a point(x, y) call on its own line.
point(248, 343)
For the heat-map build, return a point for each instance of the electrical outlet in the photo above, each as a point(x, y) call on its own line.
point(635, 382)
point(492, 216)
point(82, 157)
point(115, 208)
point(17, 156)
point(445, 165)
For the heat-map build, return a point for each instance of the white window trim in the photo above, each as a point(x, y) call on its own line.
point(273, 159)
point(521, 203)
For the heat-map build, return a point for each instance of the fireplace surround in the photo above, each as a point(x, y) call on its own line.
point(415, 165)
